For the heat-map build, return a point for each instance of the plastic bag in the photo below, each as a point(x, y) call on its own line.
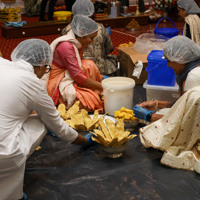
point(147, 42)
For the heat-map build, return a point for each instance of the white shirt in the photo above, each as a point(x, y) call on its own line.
point(21, 92)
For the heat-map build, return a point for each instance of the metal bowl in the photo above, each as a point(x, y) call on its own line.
point(131, 124)
point(114, 152)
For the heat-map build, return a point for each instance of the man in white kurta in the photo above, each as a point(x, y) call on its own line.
point(20, 132)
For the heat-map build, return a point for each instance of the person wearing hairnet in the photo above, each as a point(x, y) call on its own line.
point(183, 56)
point(70, 79)
point(102, 46)
point(191, 12)
point(21, 131)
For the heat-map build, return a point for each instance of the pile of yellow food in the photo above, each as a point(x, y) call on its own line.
point(78, 119)
point(125, 114)
point(133, 24)
point(111, 135)
point(130, 44)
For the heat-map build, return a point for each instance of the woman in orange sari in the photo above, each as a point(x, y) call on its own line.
point(70, 78)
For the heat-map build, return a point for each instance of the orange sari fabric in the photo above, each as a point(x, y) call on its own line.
point(55, 77)
point(89, 99)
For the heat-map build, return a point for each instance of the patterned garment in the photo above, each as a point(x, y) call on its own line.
point(99, 50)
point(177, 134)
point(32, 7)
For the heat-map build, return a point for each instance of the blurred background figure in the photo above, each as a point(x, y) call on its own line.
point(102, 46)
point(52, 3)
point(191, 12)
point(32, 7)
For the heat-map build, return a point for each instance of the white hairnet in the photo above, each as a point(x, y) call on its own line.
point(37, 52)
point(83, 7)
point(189, 5)
point(181, 49)
point(83, 25)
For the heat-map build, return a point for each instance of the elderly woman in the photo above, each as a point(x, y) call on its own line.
point(183, 56)
point(21, 131)
point(70, 78)
point(102, 46)
point(191, 12)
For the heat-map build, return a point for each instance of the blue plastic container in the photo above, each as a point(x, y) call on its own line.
point(167, 32)
point(158, 71)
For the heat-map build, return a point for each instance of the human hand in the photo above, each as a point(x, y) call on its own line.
point(150, 105)
point(89, 139)
point(140, 112)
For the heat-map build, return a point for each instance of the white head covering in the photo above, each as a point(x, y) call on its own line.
point(181, 49)
point(83, 7)
point(189, 5)
point(83, 26)
point(37, 52)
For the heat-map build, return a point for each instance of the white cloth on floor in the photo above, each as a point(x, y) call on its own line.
point(177, 132)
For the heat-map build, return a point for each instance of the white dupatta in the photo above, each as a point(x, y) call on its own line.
point(66, 87)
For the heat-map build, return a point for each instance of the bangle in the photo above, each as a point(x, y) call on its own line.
point(156, 106)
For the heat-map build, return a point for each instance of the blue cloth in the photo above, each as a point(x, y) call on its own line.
point(109, 30)
point(141, 113)
point(15, 24)
point(182, 77)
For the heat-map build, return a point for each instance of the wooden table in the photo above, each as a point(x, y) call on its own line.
point(55, 27)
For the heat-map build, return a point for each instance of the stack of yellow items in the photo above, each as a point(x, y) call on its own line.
point(129, 44)
point(125, 114)
point(78, 119)
point(10, 14)
point(111, 135)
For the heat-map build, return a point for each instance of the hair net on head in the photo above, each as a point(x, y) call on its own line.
point(83, 26)
point(37, 52)
point(181, 49)
point(189, 5)
point(83, 7)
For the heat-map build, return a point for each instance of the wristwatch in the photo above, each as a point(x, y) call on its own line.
point(148, 116)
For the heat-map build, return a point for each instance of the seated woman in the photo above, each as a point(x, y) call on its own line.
point(191, 12)
point(183, 56)
point(70, 78)
point(177, 133)
point(102, 46)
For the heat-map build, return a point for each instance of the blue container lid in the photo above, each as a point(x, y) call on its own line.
point(156, 56)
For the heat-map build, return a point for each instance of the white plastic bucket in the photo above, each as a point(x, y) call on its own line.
point(118, 92)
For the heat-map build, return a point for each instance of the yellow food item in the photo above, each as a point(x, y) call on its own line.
point(125, 114)
point(111, 135)
point(129, 44)
point(78, 119)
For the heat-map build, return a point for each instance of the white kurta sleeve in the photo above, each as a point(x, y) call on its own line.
point(51, 118)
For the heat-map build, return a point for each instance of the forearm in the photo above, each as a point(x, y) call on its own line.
point(80, 140)
point(164, 104)
point(89, 83)
point(155, 117)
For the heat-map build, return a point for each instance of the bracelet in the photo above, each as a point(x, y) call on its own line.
point(156, 107)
